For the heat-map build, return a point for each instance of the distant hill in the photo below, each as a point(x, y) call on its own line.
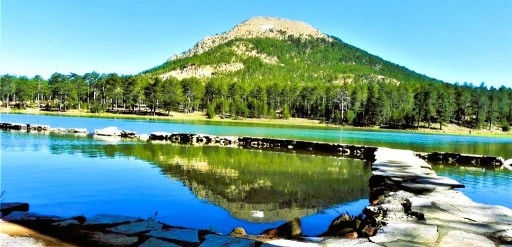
point(265, 49)
point(273, 68)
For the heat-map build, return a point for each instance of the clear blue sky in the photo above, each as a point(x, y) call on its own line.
point(456, 40)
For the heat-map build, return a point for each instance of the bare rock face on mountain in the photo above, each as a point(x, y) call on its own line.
point(267, 27)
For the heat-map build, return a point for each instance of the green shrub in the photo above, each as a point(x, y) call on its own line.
point(505, 127)
point(286, 112)
point(210, 111)
point(97, 108)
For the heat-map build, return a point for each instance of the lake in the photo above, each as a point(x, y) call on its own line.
point(420, 142)
point(214, 188)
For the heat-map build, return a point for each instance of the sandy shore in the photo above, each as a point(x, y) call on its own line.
point(200, 117)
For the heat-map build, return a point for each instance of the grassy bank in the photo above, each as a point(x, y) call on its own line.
point(200, 117)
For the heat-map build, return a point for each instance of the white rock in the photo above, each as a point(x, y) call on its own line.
point(504, 235)
point(334, 242)
point(406, 231)
point(109, 131)
point(460, 238)
point(6, 240)
point(144, 137)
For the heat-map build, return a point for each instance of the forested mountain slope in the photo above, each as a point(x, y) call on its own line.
point(275, 68)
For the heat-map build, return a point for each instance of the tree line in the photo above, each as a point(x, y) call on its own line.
point(365, 100)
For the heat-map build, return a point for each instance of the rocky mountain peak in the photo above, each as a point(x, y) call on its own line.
point(263, 27)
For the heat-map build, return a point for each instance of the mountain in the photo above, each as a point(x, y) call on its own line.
point(267, 48)
point(274, 68)
point(269, 67)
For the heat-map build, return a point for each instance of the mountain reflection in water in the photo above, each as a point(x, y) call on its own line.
point(247, 181)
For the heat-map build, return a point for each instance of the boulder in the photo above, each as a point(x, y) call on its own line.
point(109, 131)
point(8, 207)
point(159, 136)
point(290, 229)
point(238, 232)
point(77, 130)
point(341, 225)
point(128, 134)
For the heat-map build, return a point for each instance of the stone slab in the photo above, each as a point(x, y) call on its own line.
point(136, 227)
point(185, 235)
point(27, 216)
point(66, 223)
point(6, 240)
point(406, 231)
point(101, 219)
point(213, 240)
point(155, 242)
point(440, 181)
point(403, 244)
point(111, 239)
point(504, 236)
point(335, 242)
point(460, 238)
point(8, 207)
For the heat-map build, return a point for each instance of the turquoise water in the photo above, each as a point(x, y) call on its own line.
point(213, 187)
point(401, 140)
point(487, 186)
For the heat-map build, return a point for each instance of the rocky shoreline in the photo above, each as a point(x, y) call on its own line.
point(409, 206)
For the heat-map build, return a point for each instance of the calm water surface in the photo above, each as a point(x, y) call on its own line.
point(202, 187)
point(212, 187)
point(402, 140)
point(487, 186)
